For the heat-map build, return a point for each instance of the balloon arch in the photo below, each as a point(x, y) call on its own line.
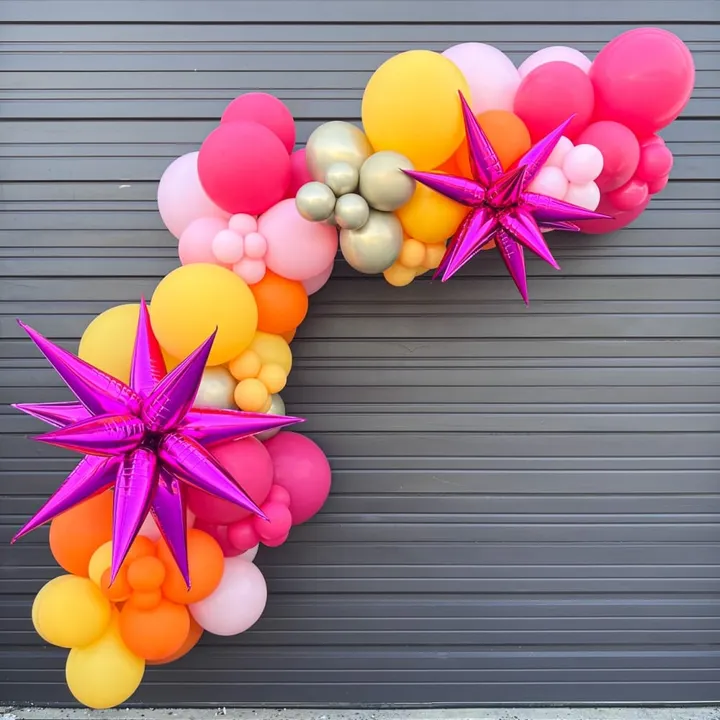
point(186, 468)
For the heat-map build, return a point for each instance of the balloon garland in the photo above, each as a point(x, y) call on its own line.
point(187, 469)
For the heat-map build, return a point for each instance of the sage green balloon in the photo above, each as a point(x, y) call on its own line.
point(375, 246)
point(383, 183)
point(342, 178)
point(217, 388)
point(334, 142)
point(351, 212)
point(315, 201)
point(277, 407)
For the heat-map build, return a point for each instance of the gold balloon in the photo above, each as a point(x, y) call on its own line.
point(277, 407)
point(351, 212)
point(342, 178)
point(315, 201)
point(383, 183)
point(375, 246)
point(217, 388)
point(334, 142)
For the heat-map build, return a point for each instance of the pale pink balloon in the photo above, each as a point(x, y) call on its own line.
point(227, 247)
point(237, 602)
point(550, 181)
point(583, 164)
point(299, 173)
point(555, 53)
point(243, 224)
point(181, 198)
point(313, 284)
point(196, 243)
point(560, 151)
point(585, 196)
point(297, 248)
point(255, 245)
point(251, 271)
point(490, 74)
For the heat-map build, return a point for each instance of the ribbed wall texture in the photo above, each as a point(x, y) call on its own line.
point(526, 503)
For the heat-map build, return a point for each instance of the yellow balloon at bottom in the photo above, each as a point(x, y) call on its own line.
point(105, 673)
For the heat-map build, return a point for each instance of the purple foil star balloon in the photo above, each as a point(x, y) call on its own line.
point(502, 209)
point(145, 439)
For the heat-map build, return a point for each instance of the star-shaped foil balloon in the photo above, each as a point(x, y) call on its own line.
point(502, 208)
point(144, 438)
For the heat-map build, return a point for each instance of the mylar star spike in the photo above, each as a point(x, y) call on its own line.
point(502, 209)
point(143, 438)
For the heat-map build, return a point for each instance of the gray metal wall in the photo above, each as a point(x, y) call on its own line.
point(526, 503)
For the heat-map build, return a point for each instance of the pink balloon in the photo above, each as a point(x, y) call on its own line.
point(251, 466)
point(490, 74)
point(266, 110)
point(583, 164)
point(181, 198)
point(221, 534)
point(196, 242)
point(278, 523)
point(150, 529)
point(243, 224)
point(303, 470)
point(643, 79)
point(656, 186)
point(618, 219)
point(620, 150)
point(552, 93)
point(550, 181)
point(656, 161)
point(584, 196)
point(227, 247)
point(279, 494)
point(252, 271)
point(557, 156)
point(237, 602)
point(244, 167)
point(556, 53)
point(313, 284)
point(631, 195)
point(255, 245)
point(297, 248)
point(299, 173)
point(242, 535)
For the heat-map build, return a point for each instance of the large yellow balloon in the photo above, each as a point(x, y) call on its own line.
point(105, 673)
point(273, 349)
point(411, 105)
point(430, 217)
point(70, 611)
point(190, 302)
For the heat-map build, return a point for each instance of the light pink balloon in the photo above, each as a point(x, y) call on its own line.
point(196, 243)
point(560, 151)
point(237, 602)
point(243, 224)
point(297, 248)
point(250, 270)
point(490, 74)
point(550, 181)
point(181, 198)
point(556, 53)
point(313, 284)
point(585, 196)
point(227, 247)
point(255, 245)
point(583, 164)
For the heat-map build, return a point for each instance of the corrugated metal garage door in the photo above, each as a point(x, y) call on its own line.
point(526, 503)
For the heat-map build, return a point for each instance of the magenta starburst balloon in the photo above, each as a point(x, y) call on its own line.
point(145, 439)
point(502, 208)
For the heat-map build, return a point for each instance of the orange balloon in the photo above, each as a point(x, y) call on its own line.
point(282, 304)
point(79, 532)
point(145, 599)
point(119, 590)
point(142, 546)
point(450, 167)
point(205, 562)
point(157, 633)
point(146, 573)
point(190, 642)
point(289, 336)
point(507, 134)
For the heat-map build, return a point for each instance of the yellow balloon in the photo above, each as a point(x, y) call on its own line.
point(433, 255)
point(193, 300)
point(70, 611)
point(398, 275)
point(105, 673)
point(412, 253)
point(430, 217)
point(273, 349)
point(100, 561)
point(251, 395)
point(411, 105)
point(246, 365)
point(108, 340)
point(273, 377)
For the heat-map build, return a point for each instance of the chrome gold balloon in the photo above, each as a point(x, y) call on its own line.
point(375, 246)
point(383, 183)
point(342, 178)
point(277, 407)
point(334, 142)
point(315, 201)
point(216, 389)
point(351, 212)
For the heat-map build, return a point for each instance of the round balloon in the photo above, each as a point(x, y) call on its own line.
point(617, 219)
point(336, 142)
point(196, 241)
point(216, 389)
point(620, 151)
point(264, 109)
point(154, 633)
point(299, 172)
point(411, 105)
point(282, 304)
point(317, 282)
point(555, 53)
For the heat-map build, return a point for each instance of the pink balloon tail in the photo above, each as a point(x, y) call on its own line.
point(538, 155)
point(525, 230)
point(464, 191)
point(508, 189)
point(514, 259)
point(212, 426)
point(58, 414)
point(485, 164)
point(148, 364)
point(169, 510)
point(101, 435)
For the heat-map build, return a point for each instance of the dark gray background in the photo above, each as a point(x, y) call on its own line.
point(525, 504)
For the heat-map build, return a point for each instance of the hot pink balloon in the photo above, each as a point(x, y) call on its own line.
point(266, 110)
point(643, 79)
point(619, 219)
point(244, 167)
point(250, 465)
point(552, 93)
point(313, 284)
point(620, 150)
point(303, 470)
point(656, 161)
point(220, 534)
point(631, 195)
point(556, 53)
point(196, 242)
point(656, 186)
point(297, 248)
point(181, 198)
point(299, 173)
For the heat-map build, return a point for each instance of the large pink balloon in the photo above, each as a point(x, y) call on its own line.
point(303, 470)
point(643, 79)
point(555, 53)
point(266, 110)
point(181, 198)
point(315, 283)
point(297, 248)
point(620, 150)
point(550, 94)
point(237, 602)
point(618, 219)
point(250, 465)
point(244, 167)
point(299, 173)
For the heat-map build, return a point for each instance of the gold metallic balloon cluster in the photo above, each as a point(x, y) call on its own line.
point(357, 190)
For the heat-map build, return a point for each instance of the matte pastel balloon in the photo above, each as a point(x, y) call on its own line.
point(617, 221)
point(237, 603)
point(656, 161)
point(555, 53)
point(584, 196)
point(631, 195)
point(560, 151)
point(244, 167)
point(181, 197)
point(297, 249)
point(550, 181)
point(643, 79)
point(243, 224)
point(315, 283)
point(196, 242)
point(303, 470)
point(620, 150)
point(582, 164)
point(227, 247)
point(299, 172)
point(266, 110)
point(551, 94)
point(250, 465)
point(491, 76)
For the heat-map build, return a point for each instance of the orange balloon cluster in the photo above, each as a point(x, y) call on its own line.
point(282, 304)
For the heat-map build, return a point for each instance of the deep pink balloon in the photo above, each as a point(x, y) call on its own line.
point(618, 220)
point(550, 94)
point(631, 195)
point(303, 470)
point(266, 110)
point(220, 534)
point(242, 535)
point(620, 150)
point(299, 173)
point(656, 186)
point(656, 161)
point(244, 167)
point(643, 79)
point(250, 465)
